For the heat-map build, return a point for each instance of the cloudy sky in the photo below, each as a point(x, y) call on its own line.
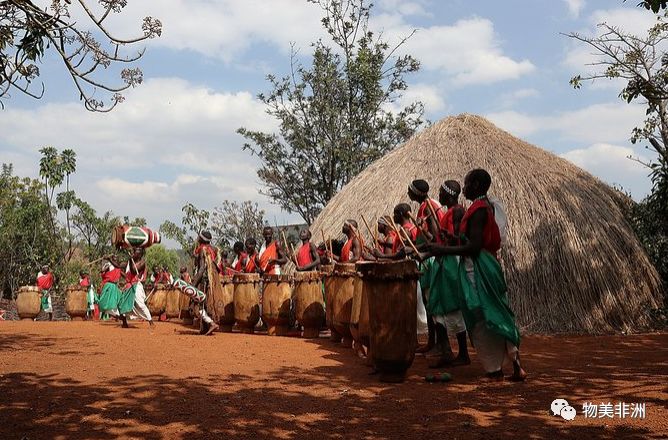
point(173, 140)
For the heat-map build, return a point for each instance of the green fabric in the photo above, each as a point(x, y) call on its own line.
point(444, 282)
point(109, 297)
point(44, 301)
point(112, 298)
point(127, 300)
point(487, 300)
point(426, 276)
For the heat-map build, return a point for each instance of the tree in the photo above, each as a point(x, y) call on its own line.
point(333, 116)
point(642, 63)
point(29, 32)
point(237, 221)
point(653, 5)
point(193, 221)
point(158, 255)
point(93, 232)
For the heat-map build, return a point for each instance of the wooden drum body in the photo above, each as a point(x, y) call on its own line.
point(173, 303)
point(359, 319)
point(157, 303)
point(246, 301)
point(28, 302)
point(76, 302)
point(309, 303)
point(222, 304)
point(345, 278)
point(184, 306)
point(276, 304)
point(392, 288)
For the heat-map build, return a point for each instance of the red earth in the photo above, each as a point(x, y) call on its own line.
point(95, 380)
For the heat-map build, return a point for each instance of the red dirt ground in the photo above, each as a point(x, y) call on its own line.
point(97, 381)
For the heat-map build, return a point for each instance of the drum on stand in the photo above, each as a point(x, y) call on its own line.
point(309, 302)
point(276, 304)
point(28, 303)
point(246, 301)
point(345, 278)
point(76, 302)
point(223, 304)
point(359, 320)
point(157, 302)
point(392, 294)
point(173, 303)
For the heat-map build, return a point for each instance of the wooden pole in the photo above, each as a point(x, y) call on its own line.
point(409, 240)
point(375, 237)
point(369, 230)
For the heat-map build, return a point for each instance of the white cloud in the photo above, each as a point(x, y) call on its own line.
point(575, 7)
point(511, 98)
point(612, 164)
point(469, 51)
point(609, 122)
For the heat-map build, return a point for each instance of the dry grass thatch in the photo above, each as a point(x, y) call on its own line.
point(572, 262)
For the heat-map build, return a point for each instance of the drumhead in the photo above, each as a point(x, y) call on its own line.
point(276, 278)
point(307, 276)
point(29, 289)
point(246, 278)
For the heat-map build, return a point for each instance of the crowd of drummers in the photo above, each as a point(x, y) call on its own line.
point(456, 249)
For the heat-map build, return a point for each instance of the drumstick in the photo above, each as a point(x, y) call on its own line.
point(368, 229)
point(394, 228)
point(375, 236)
point(323, 239)
point(94, 261)
point(410, 241)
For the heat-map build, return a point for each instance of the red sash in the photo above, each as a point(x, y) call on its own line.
point(447, 223)
point(251, 267)
point(238, 267)
point(491, 237)
point(208, 248)
point(270, 253)
point(424, 211)
point(304, 257)
point(111, 276)
point(84, 282)
point(45, 282)
point(346, 251)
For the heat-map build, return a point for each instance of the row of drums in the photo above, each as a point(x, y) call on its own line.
point(373, 303)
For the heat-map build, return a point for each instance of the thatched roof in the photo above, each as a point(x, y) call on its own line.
point(572, 262)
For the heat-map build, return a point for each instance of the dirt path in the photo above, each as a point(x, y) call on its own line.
point(98, 381)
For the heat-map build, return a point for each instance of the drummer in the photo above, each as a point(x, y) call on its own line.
point(249, 264)
point(201, 280)
point(135, 276)
point(84, 282)
point(45, 282)
point(240, 256)
point(271, 257)
point(352, 249)
point(184, 275)
point(307, 257)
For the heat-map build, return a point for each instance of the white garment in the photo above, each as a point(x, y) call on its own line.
point(422, 327)
point(140, 310)
point(91, 297)
point(454, 322)
point(493, 350)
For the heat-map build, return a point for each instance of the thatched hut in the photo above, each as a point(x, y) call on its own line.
point(572, 262)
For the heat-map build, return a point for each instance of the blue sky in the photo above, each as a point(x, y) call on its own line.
point(173, 140)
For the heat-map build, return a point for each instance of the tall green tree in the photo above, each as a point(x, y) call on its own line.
point(234, 221)
point(30, 32)
point(334, 117)
point(193, 221)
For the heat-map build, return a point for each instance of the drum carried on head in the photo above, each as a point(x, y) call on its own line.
point(276, 304)
point(246, 301)
point(126, 237)
point(76, 302)
point(392, 288)
point(345, 277)
point(28, 302)
point(309, 302)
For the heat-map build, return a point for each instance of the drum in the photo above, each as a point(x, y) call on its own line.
point(391, 291)
point(309, 302)
point(76, 302)
point(126, 237)
point(222, 304)
point(359, 319)
point(173, 303)
point(184, 306)
point(157, 302)
point(328, 282)
point(190, 291)
point(345, 278)
point(276, 304)
point(28, 302)
point(246, 301)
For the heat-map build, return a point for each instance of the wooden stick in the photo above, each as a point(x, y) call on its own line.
point(368, 229)
point(323, 240)
point(94, 261)
point(375, 237)
point(409, 241)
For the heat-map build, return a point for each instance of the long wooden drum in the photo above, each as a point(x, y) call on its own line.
point(392, 288)
point(345, 277)
point(157, 302)
point(184, 305)
point(327, 272)
point(173, 303)
point(246, 301)
point(276, 304)
point(359, 318)
point(76, 302)
point(222, 303)
point(28, 302)
point(309, 303)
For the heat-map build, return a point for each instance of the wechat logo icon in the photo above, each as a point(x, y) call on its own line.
point(561, 408)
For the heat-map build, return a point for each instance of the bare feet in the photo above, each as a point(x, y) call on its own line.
point(519, 375)
point(212, 328)
point(496, 376)
point(125, 322)
point(460, 361)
